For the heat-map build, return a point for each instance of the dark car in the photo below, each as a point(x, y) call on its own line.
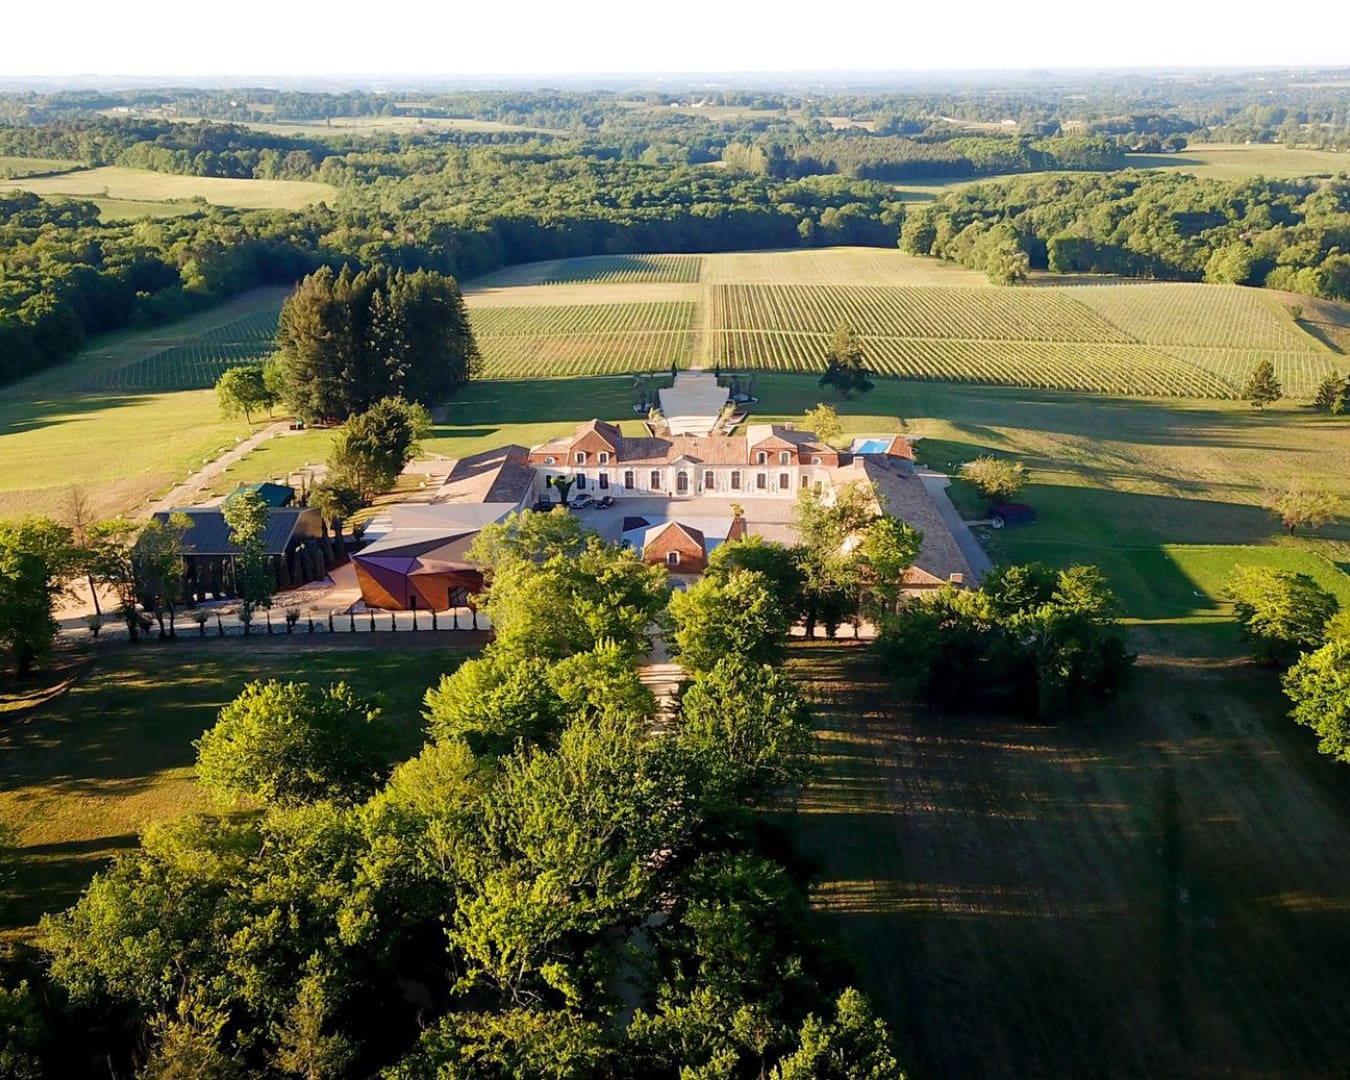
point(604, 502)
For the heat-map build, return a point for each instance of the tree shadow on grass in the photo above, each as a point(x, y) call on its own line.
point(16, 417)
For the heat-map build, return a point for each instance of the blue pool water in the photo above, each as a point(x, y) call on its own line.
point(871, 446)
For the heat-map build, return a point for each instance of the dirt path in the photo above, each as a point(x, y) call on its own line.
point(1162, 891)
point(188, 492)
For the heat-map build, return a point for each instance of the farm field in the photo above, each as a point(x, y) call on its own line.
point(143, 185)
point(1153, 340)
point(377, 125)
point(596, 339)
point(12, 168)
point(918, 319)
point(1214, 161)
point(83, 774)
point(1158, 890)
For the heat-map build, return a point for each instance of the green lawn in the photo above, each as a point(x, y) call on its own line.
point(123, 447)
point(1140, 488)
point(277, 459)
point(483, 415)
point(84, 773)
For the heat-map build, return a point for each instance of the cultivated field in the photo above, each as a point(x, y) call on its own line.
point(597, 339)
point(140, 185)
point(1156, 891)
point(918, 318)
point(1214, 161)
point(1159, 340)
point(196, 364)
point(599, 270)
point(12, 168)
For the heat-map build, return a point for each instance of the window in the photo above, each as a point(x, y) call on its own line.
point(550, 461)
point(629, 480)
point(581, 481)
point(761, 481)
point(784, 457)
point(681, 483)
point(815, 459)
point(761, 458)
point(604, 457)
point(672, 558)
point(803, 479)
point(736, 480)
point(656, 481)
point(604, 481)
point(581, 457)
point(784, 481)
point(709, 480)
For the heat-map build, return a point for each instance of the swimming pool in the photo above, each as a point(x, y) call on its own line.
point(871, 446)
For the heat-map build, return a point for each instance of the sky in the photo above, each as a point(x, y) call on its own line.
point(525, 37)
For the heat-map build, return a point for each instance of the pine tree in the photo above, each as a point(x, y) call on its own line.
point(1263, 387)
point(1331, 394)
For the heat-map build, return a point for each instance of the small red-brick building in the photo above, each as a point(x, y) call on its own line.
point(680, 548)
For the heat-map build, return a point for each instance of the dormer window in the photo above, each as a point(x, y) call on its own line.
point(581, 457)
point(672, 558)
point(761, 458)
point(784, 457)
point(815, 459)
point(604, 457)
point(550, 461)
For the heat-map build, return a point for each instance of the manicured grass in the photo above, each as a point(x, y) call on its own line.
point(85, 773)
point(123, 449)
point(486, 414)
point(279, 458)
point(143, 185)
point(57, 429)
point(1157, 890)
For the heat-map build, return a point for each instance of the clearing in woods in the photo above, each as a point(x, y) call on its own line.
point(1157, 890)
point(142, 185)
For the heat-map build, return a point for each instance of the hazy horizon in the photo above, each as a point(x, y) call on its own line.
point(603, 39)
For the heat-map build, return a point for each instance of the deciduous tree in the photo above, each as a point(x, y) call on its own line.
point(845, 364)
point(290, 743)
point(1319, 687)
point(1282, 614)
point(824, 421)
point(997, 478)
point(246, 514)
point(732, 616)
point(1303, 505)
point(242, 390)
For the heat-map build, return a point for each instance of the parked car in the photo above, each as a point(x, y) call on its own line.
point(744, 399)
point(604, 502)
point(581, 502)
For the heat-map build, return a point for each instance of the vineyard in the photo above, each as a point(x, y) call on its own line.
point(197, 364)
point(596, 339)
point(601, 270)
point(1156, 340)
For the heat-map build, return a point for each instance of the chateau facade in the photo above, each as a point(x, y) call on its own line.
point(768, 461)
